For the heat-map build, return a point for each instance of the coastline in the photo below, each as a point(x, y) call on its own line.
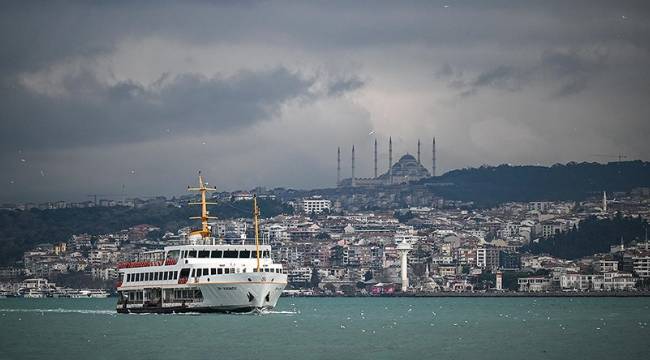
point(552, 294)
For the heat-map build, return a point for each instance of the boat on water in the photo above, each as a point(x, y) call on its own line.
point(88, 294)
point(206, 275)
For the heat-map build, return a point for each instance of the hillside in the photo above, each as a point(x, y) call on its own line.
point(489, 185)
point(592, 236)
point(21, 230)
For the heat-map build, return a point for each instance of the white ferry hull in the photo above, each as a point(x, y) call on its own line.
point(238, 293)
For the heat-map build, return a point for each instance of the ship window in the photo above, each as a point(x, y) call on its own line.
point(244, 254)
point(226, 271)
point(213, 271)
point(155, 276)
point(185, 273)
point(230, 254)
point(182, 254)
point(219, 271)
point(166, 275)
point(191, 254)
point(175, 275)
point(193, 272)
point(173, 254)
point(216, 254)
point(204, 254)
point(206, 272)
point(232, 270)
point(265, 254)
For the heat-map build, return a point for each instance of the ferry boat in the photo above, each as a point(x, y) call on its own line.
point(206, 275)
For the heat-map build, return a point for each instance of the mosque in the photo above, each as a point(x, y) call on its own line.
point(406, 169)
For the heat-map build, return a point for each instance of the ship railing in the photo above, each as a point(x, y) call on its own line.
point(139, 264)
point(230, 241)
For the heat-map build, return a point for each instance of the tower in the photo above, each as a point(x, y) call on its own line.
point(499, 280)
point(404, 247)
point(433, 157)
point(338, 167)
point(604, 201)
point(419, 152)
point(353, 182)
point(375, 158)
point(390, 160)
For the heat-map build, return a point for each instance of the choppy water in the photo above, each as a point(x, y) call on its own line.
point(335, 328)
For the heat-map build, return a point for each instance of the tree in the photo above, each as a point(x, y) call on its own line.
point(330, 287)
point(315, 278)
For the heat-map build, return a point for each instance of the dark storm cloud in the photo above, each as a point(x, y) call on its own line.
point(568, 73)
point(91, 112)
point(341, 86)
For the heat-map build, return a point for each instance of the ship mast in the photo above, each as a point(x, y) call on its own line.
point(256, 214)
point(205, 229)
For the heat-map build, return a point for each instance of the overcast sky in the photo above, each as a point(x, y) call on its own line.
point(144, 94)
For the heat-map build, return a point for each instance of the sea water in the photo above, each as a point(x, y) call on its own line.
point(335, 328)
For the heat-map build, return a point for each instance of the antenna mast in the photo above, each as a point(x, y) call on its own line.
point(256, 214)
point(202, 189)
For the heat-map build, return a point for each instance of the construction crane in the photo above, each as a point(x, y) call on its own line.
point(620, 157)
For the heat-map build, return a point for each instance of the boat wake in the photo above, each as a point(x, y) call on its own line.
point(265, 312)
point(60, 310)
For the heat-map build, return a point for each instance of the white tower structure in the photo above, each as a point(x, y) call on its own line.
point(404, 248)
point(499, 281)
point(604, 201)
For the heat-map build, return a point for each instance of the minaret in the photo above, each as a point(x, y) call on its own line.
point(375, 158)
point(419, 152)
point(433, 157)
point(390, 160)
point(338, 167)
point(353, 166)
point(604, 201)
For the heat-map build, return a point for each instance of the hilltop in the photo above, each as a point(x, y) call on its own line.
point(571, 181)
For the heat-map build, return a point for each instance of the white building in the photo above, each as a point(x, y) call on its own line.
point(315, 204)
point(642, 266)
point(534, 284)
point(603, 266)
point(299, 275)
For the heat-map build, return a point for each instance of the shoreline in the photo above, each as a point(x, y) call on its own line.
point(621, 294)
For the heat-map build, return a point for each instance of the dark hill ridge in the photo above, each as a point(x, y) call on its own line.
point(573, 181)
